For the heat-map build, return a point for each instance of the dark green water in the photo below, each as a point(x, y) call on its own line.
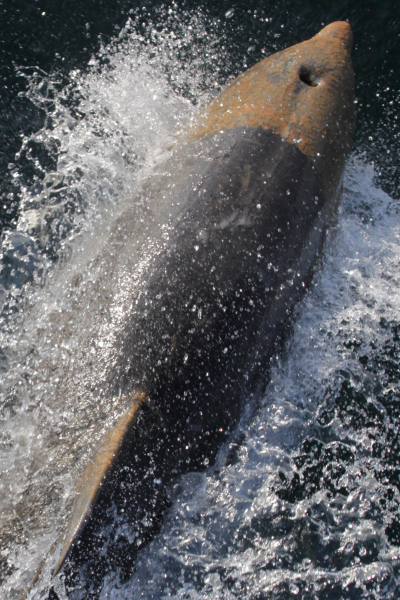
point(323, 509)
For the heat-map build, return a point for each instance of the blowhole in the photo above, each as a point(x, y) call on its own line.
point(307, 77)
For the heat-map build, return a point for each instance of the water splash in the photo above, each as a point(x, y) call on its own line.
point(103, 132)
point(105, 128)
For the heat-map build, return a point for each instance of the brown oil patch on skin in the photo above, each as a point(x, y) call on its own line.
point(294, 93)
point(93, 476)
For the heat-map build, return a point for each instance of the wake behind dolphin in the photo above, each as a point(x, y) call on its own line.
point(218, 247)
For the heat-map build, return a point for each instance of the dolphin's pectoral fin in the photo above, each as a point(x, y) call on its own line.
point(95, 473)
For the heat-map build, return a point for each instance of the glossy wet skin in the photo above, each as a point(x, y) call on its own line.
point(237, 217)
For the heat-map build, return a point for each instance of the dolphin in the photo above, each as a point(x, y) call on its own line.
point(222, 239)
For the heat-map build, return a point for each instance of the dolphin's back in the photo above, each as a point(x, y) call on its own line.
point(223, 239)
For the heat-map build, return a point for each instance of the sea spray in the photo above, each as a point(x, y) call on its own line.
point(103, 132)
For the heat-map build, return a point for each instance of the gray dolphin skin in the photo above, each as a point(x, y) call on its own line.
point(229, 228)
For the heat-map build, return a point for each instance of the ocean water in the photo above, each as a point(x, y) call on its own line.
point(303, 500)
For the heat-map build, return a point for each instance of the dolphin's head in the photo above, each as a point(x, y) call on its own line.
point(305, 94)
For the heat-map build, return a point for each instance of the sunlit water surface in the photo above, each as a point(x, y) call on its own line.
point(303, 499)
